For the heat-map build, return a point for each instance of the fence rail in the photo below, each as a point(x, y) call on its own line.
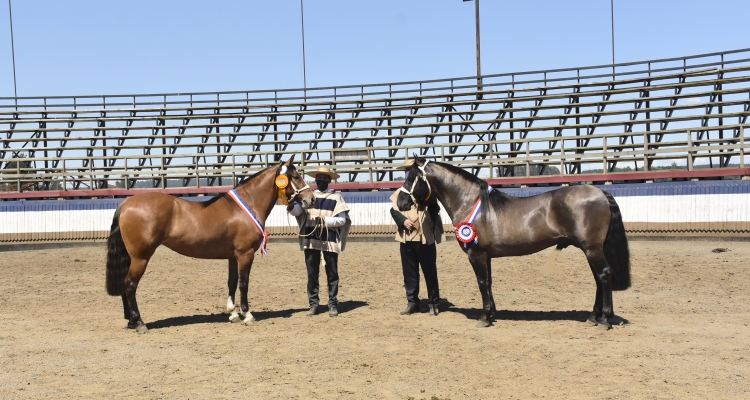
point(393, 89)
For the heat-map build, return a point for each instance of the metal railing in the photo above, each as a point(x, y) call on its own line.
point(693, 119)
point(490, 82)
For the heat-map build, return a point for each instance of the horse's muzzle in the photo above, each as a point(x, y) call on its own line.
point(403, 202)
point(307, 203)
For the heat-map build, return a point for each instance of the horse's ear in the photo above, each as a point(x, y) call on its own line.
point(291, 160)
point(417, 160)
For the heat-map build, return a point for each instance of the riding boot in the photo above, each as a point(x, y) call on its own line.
point(410, 309)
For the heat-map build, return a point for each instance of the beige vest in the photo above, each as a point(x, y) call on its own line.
point(426, 230)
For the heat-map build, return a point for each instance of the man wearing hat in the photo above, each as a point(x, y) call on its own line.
point(418, 230)
point(324, 227)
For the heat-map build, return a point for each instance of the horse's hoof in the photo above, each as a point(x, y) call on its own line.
point(249, 319)
point(605, 326)
point(482, 324)
point(141, 329)
point(591, 322)
point(234, 318)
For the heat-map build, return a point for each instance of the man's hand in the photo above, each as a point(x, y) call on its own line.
point(408, 224)
point(289, 207)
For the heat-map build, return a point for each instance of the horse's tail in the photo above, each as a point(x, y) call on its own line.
point(118, 259)
point(616, 249)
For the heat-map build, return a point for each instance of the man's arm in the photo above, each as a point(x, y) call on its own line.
point(336, 221)
point(398, 218)
point(294, 211)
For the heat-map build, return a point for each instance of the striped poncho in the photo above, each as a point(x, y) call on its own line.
point(327, 204)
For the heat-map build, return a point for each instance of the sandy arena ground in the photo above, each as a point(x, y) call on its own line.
point(685, 334)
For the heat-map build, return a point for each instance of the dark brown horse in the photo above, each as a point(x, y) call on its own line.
point(581, 216)
point(216, 229)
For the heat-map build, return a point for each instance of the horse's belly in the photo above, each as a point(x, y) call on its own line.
point(200, 250)
point(521, 249)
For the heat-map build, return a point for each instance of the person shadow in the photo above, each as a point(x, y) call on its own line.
point(525, 315)
point(344, 307)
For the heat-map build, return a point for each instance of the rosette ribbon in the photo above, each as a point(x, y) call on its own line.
point(466, 232)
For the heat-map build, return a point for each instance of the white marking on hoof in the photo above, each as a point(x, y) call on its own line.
point(249, 318)
point(141, 329)
point(234, 318)
point(230, 305)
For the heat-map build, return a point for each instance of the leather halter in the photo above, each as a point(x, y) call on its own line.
point(414, 184)
point(297, 191)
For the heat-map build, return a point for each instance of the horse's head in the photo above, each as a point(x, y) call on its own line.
point(297, 190)
point(416, 189)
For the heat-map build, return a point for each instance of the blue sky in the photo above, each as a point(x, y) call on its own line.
point(119, 47)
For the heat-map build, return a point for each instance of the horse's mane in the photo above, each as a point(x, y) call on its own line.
point(497, 199)
point(244, 180)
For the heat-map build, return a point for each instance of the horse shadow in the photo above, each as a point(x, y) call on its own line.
point(343, 307)
point(525, 315)
point(351, 305)
point(188, 320)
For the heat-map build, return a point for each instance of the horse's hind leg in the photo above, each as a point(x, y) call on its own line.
point(232, 284)
point(137, 268)
point(478, 261)
point(125, 306)
point(603, 308)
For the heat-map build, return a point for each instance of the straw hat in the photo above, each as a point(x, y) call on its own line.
point(406, 165)
point(323, 171)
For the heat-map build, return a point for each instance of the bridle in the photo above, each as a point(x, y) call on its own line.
point(297, 190)
point(423, 176)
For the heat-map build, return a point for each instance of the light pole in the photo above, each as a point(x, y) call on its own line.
point(612, 12)
point(304, 68)
point(13, 52)
point(479, 60)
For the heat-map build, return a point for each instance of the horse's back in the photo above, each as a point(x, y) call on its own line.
point(570, 215)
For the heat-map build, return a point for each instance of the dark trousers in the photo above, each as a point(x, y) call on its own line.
point(414, 254)
point(312, 260)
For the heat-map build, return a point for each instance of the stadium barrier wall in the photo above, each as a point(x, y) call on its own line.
point(690, 208)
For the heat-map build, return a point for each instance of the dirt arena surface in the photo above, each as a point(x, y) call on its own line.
point(686, 332)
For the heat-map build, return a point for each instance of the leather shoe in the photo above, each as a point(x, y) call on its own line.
point(410, 309)
point(332, 311)
point(312, 311)
point(433, 310)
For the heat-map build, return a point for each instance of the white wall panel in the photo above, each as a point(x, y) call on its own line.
point(701, 208)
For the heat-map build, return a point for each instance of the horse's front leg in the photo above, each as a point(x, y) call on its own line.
point(493, 308)
point(479, 261)
point(232, 281)
point(245, 263)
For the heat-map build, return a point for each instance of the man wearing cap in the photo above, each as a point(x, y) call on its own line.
point(418, 230)
point(324, 227)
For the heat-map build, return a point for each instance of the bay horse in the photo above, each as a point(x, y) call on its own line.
point(581, 216)
point(215, 229)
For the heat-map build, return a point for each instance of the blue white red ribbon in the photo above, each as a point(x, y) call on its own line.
point(466, 232)
point(237, 199)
